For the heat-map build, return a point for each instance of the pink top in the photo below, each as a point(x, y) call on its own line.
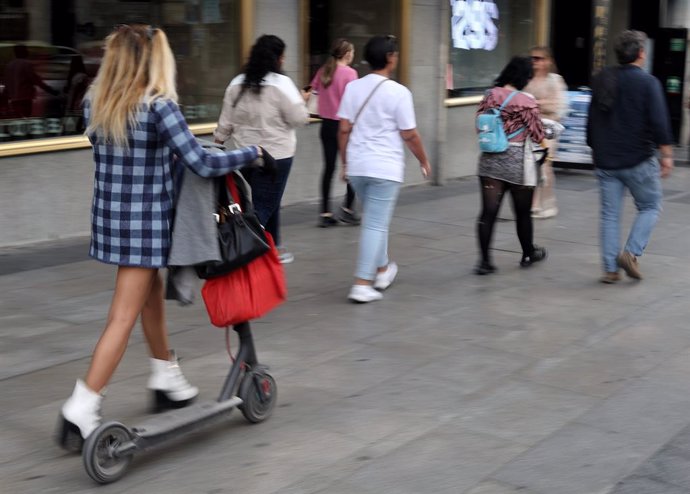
point(521, 111)
point(329, 97)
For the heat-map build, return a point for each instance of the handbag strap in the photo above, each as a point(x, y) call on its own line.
point(232, 188)
point(367, 100)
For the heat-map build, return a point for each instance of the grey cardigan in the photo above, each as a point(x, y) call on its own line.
point(195, 233)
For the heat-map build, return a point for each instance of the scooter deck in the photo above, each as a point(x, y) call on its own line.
point(185, 419)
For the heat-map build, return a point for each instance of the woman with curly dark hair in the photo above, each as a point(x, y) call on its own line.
point(262, 105)
point(502, 172)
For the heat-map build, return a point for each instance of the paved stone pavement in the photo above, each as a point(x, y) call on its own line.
point(538, 381)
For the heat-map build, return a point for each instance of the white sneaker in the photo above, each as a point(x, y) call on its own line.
point(363, 294)
point(285, 256)
point(546, 213)
point(383, 280)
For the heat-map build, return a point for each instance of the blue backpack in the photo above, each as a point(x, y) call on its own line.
point(492, 136)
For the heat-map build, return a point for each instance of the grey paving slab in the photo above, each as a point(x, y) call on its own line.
point(645, 485)
point(670, 465)
point(538, 381)
point(668, 470)
point(493, 487)
point(646, 410)
point(577, 459)
point(522, 411)
point(592, 371)
point(446, 460)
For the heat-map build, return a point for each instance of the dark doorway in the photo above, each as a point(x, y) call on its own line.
point(645, 16)
point(670, 47)
point(319, 36)
point(62, 22)
point(571, 28)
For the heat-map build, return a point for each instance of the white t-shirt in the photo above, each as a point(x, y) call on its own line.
point(375, 148)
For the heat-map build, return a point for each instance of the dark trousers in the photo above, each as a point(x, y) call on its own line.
point(267, 194)
point(329, 141)
point(492, 192)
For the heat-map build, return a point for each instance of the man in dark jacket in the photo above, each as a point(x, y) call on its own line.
point(628, 122)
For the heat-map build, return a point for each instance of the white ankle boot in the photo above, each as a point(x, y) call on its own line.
point(80, 416)
point(171, 389)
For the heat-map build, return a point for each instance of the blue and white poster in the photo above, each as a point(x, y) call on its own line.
point(572, 145)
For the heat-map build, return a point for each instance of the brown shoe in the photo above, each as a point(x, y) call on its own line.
point(610, 278)
point(628, 263)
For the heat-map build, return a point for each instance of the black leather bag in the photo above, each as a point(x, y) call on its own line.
point(240, 235)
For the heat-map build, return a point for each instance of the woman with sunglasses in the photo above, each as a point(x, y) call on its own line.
point(549, 89)
point(137, 132)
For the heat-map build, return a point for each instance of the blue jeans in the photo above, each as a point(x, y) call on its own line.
point(378, 197)
point(267, 194)
point(644, 183)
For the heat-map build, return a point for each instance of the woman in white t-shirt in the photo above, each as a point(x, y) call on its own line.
point(376, 119)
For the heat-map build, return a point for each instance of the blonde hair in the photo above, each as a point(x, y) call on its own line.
point(546, 52)
point(138, 67)
point(340, 48)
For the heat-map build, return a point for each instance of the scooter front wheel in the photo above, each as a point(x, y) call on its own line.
point(258, 392)
point(102, 461)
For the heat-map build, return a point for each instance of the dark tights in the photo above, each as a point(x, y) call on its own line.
point(329, 141)
point(492, 195)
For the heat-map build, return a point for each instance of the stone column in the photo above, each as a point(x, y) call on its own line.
point(429, 32)
point(602, 10)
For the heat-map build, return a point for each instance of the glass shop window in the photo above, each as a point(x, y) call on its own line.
point(485, 34)
point(354, 20)
point(50, 51)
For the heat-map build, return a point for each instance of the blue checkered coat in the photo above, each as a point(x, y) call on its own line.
point(132, 209)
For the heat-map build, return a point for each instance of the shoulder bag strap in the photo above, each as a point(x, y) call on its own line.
point(505, 101)
point(367, 100)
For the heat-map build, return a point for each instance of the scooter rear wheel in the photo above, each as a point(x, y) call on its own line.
point(258, 392)
point(101, 460)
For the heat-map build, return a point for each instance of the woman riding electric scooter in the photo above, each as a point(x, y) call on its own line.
point(136, 128)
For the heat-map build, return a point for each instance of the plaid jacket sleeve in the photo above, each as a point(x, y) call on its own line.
point(86, 107)
point(174, 132)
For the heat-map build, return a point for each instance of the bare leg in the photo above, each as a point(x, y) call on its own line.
point(153, 321)
point(132, 290)
point(548, 194)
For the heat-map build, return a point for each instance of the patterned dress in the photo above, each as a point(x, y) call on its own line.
point(133, 193)
point(520, 112)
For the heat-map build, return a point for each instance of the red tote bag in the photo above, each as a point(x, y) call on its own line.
point(249, 292)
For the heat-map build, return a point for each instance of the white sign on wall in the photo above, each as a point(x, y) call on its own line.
point(472, 24)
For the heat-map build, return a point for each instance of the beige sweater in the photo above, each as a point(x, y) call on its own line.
point(550, 93)
point(268, 119)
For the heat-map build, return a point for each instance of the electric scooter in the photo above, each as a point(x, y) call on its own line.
point(109, 449)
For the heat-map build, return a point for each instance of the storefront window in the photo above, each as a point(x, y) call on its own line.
point(50, 51)
point(485, 34)
point(354, 20)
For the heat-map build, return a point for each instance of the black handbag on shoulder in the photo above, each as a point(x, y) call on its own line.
point(241, 237)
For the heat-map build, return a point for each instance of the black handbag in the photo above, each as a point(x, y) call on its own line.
point(241, 237)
